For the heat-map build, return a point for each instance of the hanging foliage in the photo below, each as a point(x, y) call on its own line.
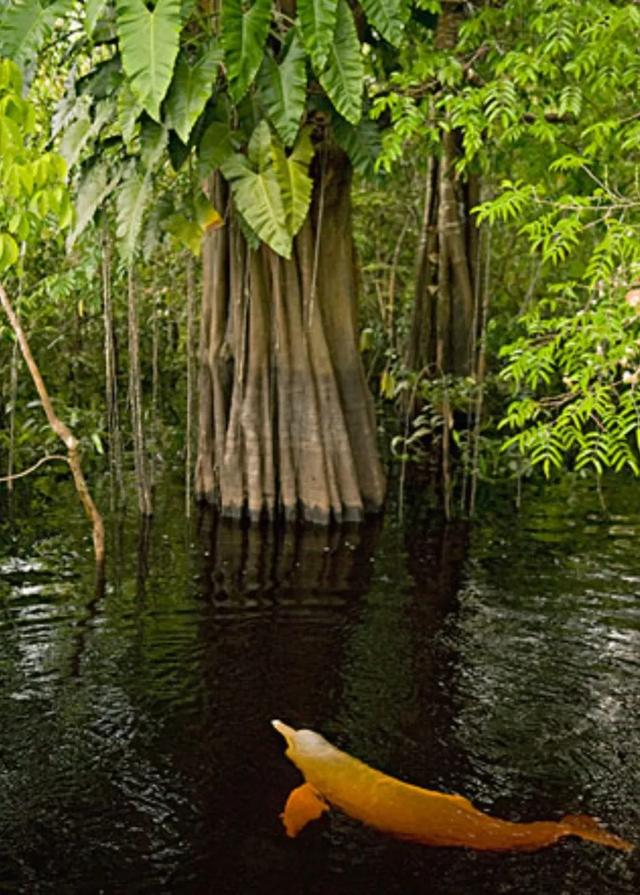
point(243, 37)
point(283, 89)
point(318, 22)
point(165, 78)
point(343, 75)
point(191, 87)
point(149, 42)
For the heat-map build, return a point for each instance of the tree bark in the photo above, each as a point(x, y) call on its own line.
point(443, 330)
point(286, 423)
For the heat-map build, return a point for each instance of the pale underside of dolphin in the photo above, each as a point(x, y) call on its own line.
point(334, 778)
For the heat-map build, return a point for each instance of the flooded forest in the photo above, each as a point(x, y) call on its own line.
point(319, 447)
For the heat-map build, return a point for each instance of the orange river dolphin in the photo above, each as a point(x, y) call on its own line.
point(409, 812)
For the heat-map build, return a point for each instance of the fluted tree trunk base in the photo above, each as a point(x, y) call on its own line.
point(286, 422)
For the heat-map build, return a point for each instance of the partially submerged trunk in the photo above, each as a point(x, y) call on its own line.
point(140, 457)
point(114, 431)
point(443, 336)
point(443, 333)
point(286, 422)
point(446, 336)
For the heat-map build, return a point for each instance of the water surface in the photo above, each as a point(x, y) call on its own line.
point(500, 661)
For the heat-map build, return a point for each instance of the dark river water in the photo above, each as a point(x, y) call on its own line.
point(499, 661)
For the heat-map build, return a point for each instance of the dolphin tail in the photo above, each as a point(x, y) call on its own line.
point(588, 828)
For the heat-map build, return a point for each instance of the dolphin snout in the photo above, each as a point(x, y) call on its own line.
point(287, 732)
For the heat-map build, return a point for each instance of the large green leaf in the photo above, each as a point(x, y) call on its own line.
point(243, 37)
point(190, 89)
point(25, 24)
point(343, 77)
point(93, 190)
point(387, 17)
point(149, 43)
point(133, 198)
point(318, 22)
point(283, 90)
point(257, 194)
point(295, 184)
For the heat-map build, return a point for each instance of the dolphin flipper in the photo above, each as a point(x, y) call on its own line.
point(303, 805)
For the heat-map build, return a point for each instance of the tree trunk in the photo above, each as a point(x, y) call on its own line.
point(442, 338)
point(286, 423)
point(111, 377)
point(140, 458)
point(190, 360)
point(443, 330)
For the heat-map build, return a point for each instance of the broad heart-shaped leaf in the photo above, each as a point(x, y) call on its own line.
point(243, 37)
point(387, 17)
point(92, 192)
point(283, 90)
point(257, 197)
point(215, 146)
point(191, 87)
point(318, 22)
point(343, 77)
point(25, 24)
point(295, 184)
point(149, 43)
point(133, 198)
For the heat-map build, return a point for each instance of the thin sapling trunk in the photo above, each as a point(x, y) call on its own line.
point(62, 431)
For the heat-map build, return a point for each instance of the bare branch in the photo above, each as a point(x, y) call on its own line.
point(26, 472)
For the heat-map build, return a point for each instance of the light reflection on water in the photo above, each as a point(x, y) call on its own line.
point(135, 750)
